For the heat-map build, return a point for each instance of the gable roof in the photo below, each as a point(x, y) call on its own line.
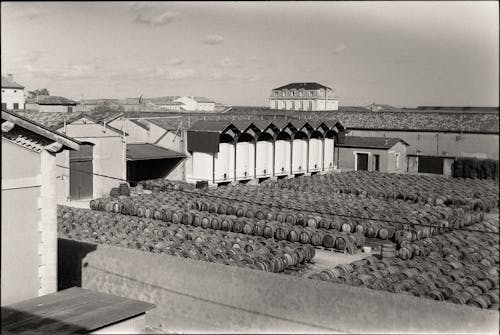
point(34, 135)
point(384, 143)
point(7, 83)
point(167, 123)
point(305, 86)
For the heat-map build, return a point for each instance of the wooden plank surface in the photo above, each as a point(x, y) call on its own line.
point(72, 310)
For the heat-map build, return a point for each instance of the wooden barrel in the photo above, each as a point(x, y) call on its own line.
point(340, 243)
point(258, 230)
point(294, 235)
point(250, 213)
point(215, 223)
point(328, 240)
point(248, 228)
point(316, 238)
point(205, 222)
point(268, 231)
point(305, 237)
point(388, 250)
point(281, 233)
point(240, 212)
point(238, 226)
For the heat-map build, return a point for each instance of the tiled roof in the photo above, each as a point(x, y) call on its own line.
point(416, 120)
point(34, 135)
point(305, 86)
point(51, 100)
point(167, 123)
point(203, 100)
point(55, 120)
point(6, 83)
point(370, 142)
point(211, 126)
point(26, 138)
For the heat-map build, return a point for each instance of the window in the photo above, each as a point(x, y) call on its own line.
point(276, 104)
point(300, 93)
point(293, 93)
point(302, 104)
point(310, 93)
point(397, 159)
point(15, 91)
point(376, 162)
point(70, 109)
point(310, 105)
point(275, 94)
point(16, 105)
point(4, 106)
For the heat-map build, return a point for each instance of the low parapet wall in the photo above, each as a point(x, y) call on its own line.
point(196, 296)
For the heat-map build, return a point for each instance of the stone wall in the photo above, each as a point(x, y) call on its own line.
point(196, 296)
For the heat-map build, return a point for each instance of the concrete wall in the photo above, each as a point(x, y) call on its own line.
point(443, 144)
point(196, 296)
point(13, 95)
point(21, 216)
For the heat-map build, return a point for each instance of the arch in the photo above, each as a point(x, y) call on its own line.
point(245, 137)
point(226, 138)
point(331, 134)
point(316, 134)
point(283, 136)
point(300, 135)
point(265, 136)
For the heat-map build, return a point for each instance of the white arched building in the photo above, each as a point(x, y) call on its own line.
point(225, 151)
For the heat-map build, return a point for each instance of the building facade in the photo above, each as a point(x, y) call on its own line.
point(12, 93)
point(303, 97)
point(49, 103)
point(191, 103)
point(29, 207)
point(382, 154)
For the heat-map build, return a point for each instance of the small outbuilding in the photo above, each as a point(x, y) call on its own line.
point(384, 154)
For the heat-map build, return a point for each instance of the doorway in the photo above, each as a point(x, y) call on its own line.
point(361, 162)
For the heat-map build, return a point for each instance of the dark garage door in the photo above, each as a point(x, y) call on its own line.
point(427, 164)
point(80, 173)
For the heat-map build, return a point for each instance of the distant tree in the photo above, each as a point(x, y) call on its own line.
point(38, 92)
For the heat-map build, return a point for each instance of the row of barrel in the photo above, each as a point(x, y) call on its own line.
point(426, 222)
point(428, 277)
point(433, 190)
point(180, 240)
point(164, 208)
point(480, 244)
point(459, 266)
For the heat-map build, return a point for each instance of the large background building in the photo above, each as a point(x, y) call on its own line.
point(303, 96)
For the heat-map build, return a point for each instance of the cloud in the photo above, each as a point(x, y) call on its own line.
point(153, 14)
point(231, 76)
point(165, 18)
point(175, 61)
point(168, 73)
point(212, 39)
point(227, 62)
point(339, 49)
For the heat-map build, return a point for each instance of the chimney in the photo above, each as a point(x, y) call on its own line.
point(10, 76)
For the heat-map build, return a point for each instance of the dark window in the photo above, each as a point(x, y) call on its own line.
point(310, 105)
point(16, 105)
point(70, 109)
point(276, 104)
point(4, 106)
point(427, 164)
point(376, 162)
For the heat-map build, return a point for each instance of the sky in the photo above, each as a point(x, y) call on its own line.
point(403, 54)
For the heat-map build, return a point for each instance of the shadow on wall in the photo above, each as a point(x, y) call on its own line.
point(69, 262)
point(16, 321)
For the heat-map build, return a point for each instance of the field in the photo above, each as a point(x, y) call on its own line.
point(439, 236)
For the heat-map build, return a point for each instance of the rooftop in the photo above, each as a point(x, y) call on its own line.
point(147, 151)
point(7, 83)
point(55, 120)
point(74, 310)
point(304, 86)
point(370, 142)
point(51, 100)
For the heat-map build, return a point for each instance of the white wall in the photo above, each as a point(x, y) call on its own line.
point(13, 95)
point(202, 164)
point(282, 156)
point(315, 154)
point(189, 104)
point(264, 159)
point(329, 156)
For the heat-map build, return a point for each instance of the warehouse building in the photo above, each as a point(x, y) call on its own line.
point(223, 151)
point(100, 163)
point(50, 103)
point(29, 229)
point(382, 154)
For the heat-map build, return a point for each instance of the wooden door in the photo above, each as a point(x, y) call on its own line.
point(81, 173)
point(362, 162)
